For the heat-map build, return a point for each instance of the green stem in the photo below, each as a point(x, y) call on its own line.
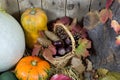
point(34, 62)
point(33, 11)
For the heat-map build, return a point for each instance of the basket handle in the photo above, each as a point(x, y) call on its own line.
point(69, 34)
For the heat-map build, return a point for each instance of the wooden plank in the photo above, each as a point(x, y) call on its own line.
point(10, 6)
point(54, 8)
point(97, 5)
point(24, 4)
point(77, 8)
point(3, 4)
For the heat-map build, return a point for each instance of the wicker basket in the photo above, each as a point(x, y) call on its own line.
point(62, 61)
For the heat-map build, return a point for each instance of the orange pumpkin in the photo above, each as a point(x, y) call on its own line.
point(33, 20)
point(32, 68)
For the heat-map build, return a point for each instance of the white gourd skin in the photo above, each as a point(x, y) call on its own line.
point(12, 41)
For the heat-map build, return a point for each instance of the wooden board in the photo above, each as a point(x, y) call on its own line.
point(54, 8)
point(77, 8)
point(97, 4)
point(10, 6)
point(24, 4)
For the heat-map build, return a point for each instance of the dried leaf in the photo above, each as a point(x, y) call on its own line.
point(104, 15)
point(48, 54)
point(64, 20)
point(76, 63)
point(117, 40)
point(89, 65)
point(102, 71)
point(83, 33)
point(81, 50)
point(75, 27)
point(52, 48)
point(44, 41)
point(52, 36)
point(108, 3)
point(116, 26)
point(36, 49)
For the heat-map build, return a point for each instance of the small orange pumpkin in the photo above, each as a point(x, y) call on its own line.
point(33, 20)
point(32, 68)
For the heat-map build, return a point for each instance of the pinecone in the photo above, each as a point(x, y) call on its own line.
point(76, 36)
point(61, 33)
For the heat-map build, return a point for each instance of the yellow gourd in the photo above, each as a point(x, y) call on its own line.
point(33, 20)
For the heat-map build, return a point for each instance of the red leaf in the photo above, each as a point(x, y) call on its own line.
point(74, 27)
point(117, 40)
point(52, 48)
point(64, 20)
point(83, 33)
point(108, 3)
point(116, 26)
point(36, 49)
point(104, 15)
point(48, 54)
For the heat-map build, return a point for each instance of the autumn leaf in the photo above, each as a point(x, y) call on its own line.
point(116, 26)
point(108, 3)
point(81, 50)
point(74, 26)
point(52, 48)
point(36, 49)
point(77, 64)
point(48, 54)
point(102, 71)
point(89, 65)
point(105, 14)
point(117, 40)
point(64, 20)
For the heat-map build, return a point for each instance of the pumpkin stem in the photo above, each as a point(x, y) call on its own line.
point(33, 11)
point(34, 62)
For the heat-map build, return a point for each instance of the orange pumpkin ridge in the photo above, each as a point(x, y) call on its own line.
point(32, 68)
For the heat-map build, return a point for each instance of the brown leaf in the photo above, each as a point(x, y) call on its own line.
point(76, 63)
point(116, 26)
point(64, 20)
point(52, 48)
point(89, 65)
point(104, 15)
point(36, 50)
point(48, 54)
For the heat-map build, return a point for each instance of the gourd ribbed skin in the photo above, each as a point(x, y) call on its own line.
point(12, 41)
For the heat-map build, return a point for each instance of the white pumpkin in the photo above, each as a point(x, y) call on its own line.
point(12, 41)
